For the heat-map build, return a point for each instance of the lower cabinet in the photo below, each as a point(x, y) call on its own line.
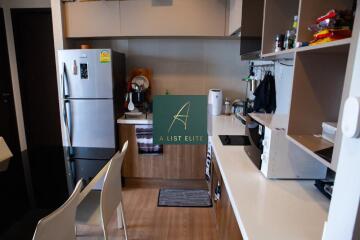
point(178, 162)
point(226, 222)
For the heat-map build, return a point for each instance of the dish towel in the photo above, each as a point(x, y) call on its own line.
point(208, 164)
point(144, 138)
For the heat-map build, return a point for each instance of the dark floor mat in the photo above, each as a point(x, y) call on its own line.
point(184, 198)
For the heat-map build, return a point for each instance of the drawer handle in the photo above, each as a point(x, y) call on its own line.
point(217, 192)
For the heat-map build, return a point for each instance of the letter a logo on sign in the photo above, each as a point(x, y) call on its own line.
point(178, 118)
point(181, 116)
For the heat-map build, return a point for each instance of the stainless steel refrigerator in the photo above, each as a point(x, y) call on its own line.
point(92, 83)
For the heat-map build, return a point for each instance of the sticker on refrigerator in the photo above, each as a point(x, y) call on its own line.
point(105, 56)
point(84, 71)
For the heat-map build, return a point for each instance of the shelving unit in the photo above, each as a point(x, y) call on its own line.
point(278, 18)
point(311, 144)
point(316, 97)
point(312, 9)
point(319, 71)
point(290, 54)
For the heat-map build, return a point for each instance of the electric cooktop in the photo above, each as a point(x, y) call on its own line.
point(235, 140)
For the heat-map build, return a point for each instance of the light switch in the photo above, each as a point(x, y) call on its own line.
point(351, 118)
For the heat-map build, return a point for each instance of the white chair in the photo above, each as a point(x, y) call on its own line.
point(60, 224)
point(98, 207)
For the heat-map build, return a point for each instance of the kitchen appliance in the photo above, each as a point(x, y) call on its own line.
point(215, 101)
point(277, 157)
point(234, 140)
point(92, 85)
point(255, 132)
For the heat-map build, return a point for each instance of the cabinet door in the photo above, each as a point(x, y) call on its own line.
point(217, 204)
point(183, 161)
point(92, 19)
point(235, 15)
point(228, 228)
point(173, 18)
point(226, 222)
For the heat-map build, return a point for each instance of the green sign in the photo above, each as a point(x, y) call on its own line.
point(180, 119)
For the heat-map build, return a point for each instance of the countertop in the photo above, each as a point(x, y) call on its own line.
point(140, 120)
point(271, 121)
point(266, 209)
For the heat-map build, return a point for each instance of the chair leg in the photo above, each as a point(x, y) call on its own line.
point(123, 220)
point(119, 217)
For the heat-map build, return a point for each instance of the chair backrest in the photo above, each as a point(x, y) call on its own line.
point(111, 193)
point(60, 224)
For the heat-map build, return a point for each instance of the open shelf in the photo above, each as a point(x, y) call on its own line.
point(285, 54)
point(318, 83)
point(311, 144)
point(334, 46)
point(328, 47)
point(310, 10)
point(278, 18)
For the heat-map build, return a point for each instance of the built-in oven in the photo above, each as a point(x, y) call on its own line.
point(255, 131)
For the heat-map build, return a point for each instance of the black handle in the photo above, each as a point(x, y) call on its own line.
point(68, 124)
point(65, 83)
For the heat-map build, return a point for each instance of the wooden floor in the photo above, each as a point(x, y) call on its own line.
point(146, 221)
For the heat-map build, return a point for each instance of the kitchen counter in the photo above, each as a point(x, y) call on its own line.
point(266, 209)
point(136, 120)
point(271, 121)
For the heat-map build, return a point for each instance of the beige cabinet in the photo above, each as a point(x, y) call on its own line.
point(173, 17)
point(92, 19)
point(200, 18)
point(178, 162)
point(235, 14)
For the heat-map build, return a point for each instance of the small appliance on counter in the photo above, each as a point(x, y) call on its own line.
point(215, 101)
point(137, 96)
point(274, 155)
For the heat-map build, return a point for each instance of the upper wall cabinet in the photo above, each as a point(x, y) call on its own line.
point(173, 18)
point(245, 17)
point(145, 18)
point(235, 13)
point(92, 19)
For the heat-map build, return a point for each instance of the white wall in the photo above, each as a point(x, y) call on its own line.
point(7, 5)
point(283, 81)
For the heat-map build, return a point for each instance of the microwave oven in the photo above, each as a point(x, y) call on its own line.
point(274, 154)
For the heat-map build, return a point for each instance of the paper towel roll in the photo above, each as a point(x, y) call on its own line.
point(5, 155)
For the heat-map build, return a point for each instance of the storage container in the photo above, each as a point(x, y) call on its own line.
point(329, 131)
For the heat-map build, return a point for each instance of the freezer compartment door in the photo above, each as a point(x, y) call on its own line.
point(93, 123)
point(86, 73)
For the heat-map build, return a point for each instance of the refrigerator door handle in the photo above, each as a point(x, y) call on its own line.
point(65, 82)
point(68, 124)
